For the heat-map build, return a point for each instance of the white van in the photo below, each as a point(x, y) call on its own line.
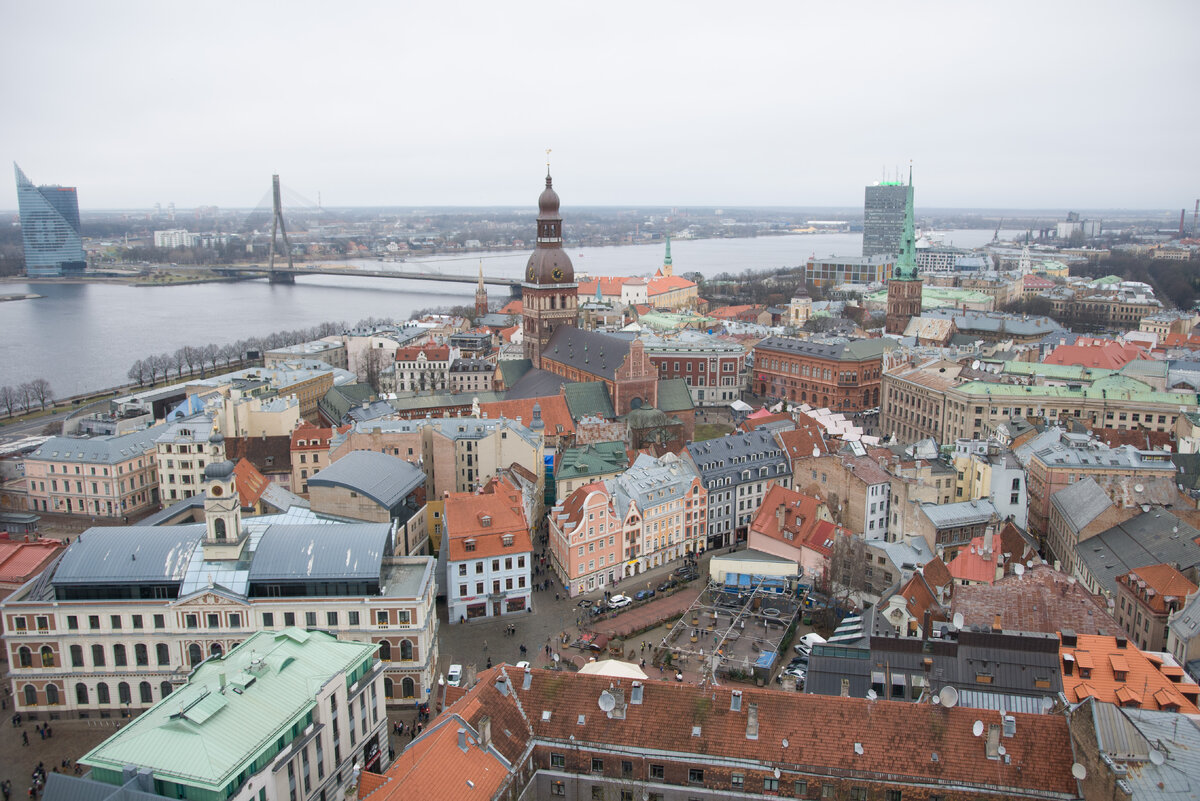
point(804, 644)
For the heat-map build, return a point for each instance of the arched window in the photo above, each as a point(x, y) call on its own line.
point(102, 693)
point(47, 656)
point(24, 657)
point(215, 649)
point(407, 687)
point(124, 696)
point(388, 687)
point(195, 655)
point(385, 651)
point(81, 694)
point(163, 653)
point(119, 659)
point(146, 693)
point(406, 651)
point(141, 655)
point(98, 655)
point(219, 528)
point(164, 689)
point(30, 695)
point(52, 694)
point(76, 656)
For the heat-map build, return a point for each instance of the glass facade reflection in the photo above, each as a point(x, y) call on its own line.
point(50, 229)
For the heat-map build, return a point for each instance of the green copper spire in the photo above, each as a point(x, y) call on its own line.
point(906, 265)
point(667, 260)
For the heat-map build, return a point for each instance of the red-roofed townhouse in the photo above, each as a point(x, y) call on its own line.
point(1105, 354)
point(586, 543)
point(1146, 598)
point(21, 560)
point(797, 527)
point(423, 368)
point(488, 553)
point(310, 452)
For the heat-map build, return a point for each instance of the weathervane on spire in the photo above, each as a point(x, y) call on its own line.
point(547, 162)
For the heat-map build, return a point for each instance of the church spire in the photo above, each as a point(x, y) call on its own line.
point(906, 264)
point(480, 287)
point(667, 269)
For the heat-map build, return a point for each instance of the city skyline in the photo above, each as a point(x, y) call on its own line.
point(788, 106)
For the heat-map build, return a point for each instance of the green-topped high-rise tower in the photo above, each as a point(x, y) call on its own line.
point(904, 287)
point(667, 268)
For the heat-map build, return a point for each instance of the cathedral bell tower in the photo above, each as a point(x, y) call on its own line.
point(904, 287)
point(549, 294)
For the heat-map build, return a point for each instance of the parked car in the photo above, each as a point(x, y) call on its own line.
point(686, 573)
point(619, 601)
point(643, 595)
point(799, 661)
point(666, 585)
point(805, 644)
point(584, 602)
point(454, 675)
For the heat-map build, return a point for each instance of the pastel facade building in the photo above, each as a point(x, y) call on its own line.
point(107, 476)
point(737, 470)
point(488, 553)
point(587, 541)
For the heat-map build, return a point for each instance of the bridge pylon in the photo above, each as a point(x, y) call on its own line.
point(278, 227)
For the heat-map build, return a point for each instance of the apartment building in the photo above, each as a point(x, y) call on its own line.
point(423, 368)
point(488, 553)
point(986, 471)
point(332, 352)
point(182, 451)
point(736, 471)
point(310, 453)
point(470, 375)
point(285, 715)
point(858, 489)
point(587, 542)
point(712, 367)
point(1146, 599)
point(107, 476)
point(662, 504)
point(119, 622)
point(843, 375)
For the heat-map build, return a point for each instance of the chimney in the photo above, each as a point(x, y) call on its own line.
point(485, 732)
point(927, 624)
point(780, 515)
point(462, 740)
point(1122, 642)
point(752, 722)
point(988, 539)
point(996, 626)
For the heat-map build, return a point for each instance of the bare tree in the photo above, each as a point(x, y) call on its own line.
point(193, 358)
point(9, 399)
point(137, 372)
point(211, 355)
point(25, 393)
point(846, 578)
point(42, 393)
point(229, 353)
point(371, 365)
point(177, 361)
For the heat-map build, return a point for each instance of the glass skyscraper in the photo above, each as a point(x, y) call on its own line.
point(883, 218)
point(50, 229)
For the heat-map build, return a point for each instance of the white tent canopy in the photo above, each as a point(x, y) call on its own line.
point(614, 668)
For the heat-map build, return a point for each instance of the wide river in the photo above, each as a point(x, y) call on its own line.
point(82, 337)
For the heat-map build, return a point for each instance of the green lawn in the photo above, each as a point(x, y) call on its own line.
point(711, 431)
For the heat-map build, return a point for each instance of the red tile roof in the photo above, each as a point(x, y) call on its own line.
point(801, 524)
point(803, 441)
point(890, 742)
point(554, 413)
point(973, 564)
point(610, 286)
point(1109, 355)
point(514, 306)
point(668, 283)
point(483, 521)
point(313, 437)
point(250, 483)
point(21, 561)
point(434, 767)
point(433, 353)
point(1153, 585)
point(752, 422)
point(1145, 683)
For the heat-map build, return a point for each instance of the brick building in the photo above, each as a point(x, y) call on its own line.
point(712, 367)
point(843, 376)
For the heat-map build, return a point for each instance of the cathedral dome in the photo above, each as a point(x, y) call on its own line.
point(218, 470)
point(550, 266)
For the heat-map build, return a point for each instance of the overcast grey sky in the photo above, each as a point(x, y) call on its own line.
point(1014, 104)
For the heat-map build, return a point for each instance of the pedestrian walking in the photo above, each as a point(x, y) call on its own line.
point(485, 646)
point(24, 738)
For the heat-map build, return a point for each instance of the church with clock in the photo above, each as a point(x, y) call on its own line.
point(549, 293)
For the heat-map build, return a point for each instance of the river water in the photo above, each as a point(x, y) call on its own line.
point(82, 337)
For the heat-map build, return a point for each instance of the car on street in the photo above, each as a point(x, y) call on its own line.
point(619, 601)
point(643, 595)
point(666, 585)
point(522, 665)
point(454, 675)
point(805, 644)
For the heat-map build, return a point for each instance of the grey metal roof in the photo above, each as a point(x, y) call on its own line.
point(61, 787)
point(1150, 538)
point(1185, 624)
point(1081, 503)
point(649, 482)
point(129, 554)
point(997, 322)
point(385, 479)
point(1127, 736)
point(730, 455)
point(535, 383)
point(851, 350)
point(590, 352)
point(349, 552)
point(966, 513)
point(99, 450)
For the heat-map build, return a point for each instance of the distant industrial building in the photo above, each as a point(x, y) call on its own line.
point(50, 229)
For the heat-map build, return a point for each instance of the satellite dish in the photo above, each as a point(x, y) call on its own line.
point(977, 729)
point(1157, 757)
point(975, 364)
point(816, 451)
point(1079, 771)
point(949, 697)
point(872, 695)
point(776, 773)
point(1047, 704)
point(785, 742)
point(1019, 569)
point(1138, 488)
point(937, 699)
point(607, 702)
point(1029, 564)
point(1001, 750)
point(858, 748)
point(958, 620)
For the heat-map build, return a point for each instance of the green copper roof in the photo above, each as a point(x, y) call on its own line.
point(595, 459)
point(589, 398)
point(1064, 372)
point(674, 395)
point(1111, 388)
point(202, 736)
point(667, 259)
